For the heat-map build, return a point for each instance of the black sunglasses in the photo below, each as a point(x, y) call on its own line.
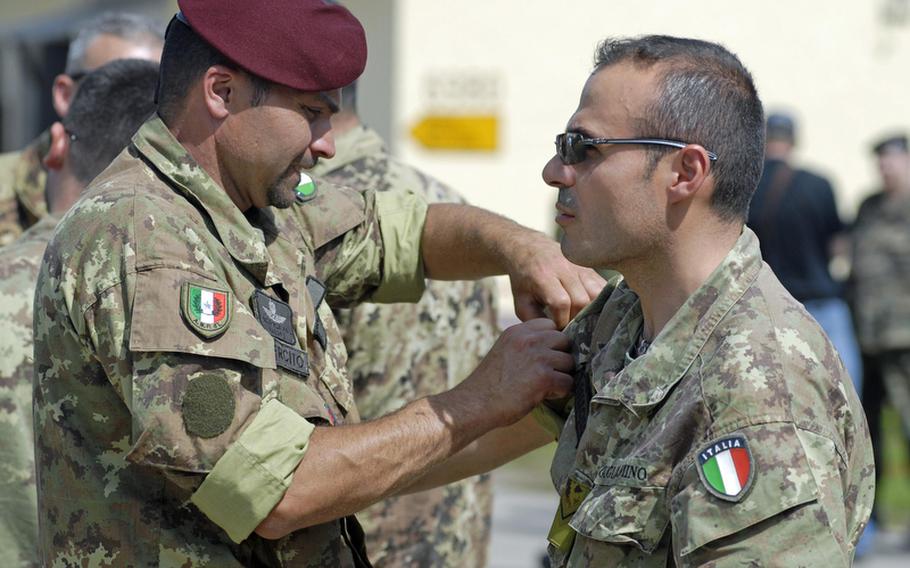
point(572, 147)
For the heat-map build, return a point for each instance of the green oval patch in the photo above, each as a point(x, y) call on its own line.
point(208, 406)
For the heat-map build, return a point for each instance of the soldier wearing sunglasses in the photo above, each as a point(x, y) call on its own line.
point(712, 421)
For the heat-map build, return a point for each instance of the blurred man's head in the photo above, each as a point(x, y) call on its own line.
point(894, 163)
point(108, 37)
point(780, 136)
point(620, 201)
point(250, 92)
point(111, 104)
point(346, 118)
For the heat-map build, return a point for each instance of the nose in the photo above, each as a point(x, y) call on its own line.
point(557, 174)
point(323, 143)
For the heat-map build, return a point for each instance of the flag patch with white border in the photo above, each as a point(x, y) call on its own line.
point(726, 467)
point(207, 310)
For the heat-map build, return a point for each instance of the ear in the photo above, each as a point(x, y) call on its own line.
point(691, 168)
point(59, 148)
point(219, 85)
point(62, 93)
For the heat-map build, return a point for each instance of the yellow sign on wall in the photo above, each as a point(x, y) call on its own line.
point(457, 132)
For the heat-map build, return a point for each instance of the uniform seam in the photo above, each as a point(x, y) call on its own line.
point(826, 435)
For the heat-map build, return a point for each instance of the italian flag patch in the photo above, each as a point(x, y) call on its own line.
point(206, 310)
point(726, 468)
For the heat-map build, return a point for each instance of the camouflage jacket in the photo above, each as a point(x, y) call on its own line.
point(398, 353)
point(183, 357)
point(19, 263)
point(879, 286)
point(736, 439)
point(22, 179)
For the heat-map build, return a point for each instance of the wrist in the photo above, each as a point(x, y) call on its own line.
point(466, 411)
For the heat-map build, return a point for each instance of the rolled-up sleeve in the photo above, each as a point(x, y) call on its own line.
point(401, 219)
point(374, 256)
point(255, 472)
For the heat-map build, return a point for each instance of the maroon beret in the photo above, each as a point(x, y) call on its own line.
point(309, 45)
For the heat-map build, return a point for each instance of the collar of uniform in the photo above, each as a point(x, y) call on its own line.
point(647, 380)
point(244, 242)
point(355, 144)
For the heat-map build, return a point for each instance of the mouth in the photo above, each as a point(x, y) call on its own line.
point(564, 216)
point(565, 202)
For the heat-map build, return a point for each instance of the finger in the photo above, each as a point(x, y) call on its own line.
point(593, 282)
point(526, 308)
point(554, 339)
point(558, 304)
point(578, 294)
point(561, 385)
point(541, 324)
point(560, 361)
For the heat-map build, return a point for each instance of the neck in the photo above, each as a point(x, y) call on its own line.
point(668, 277)
point(199, 141)
point(61, 191)
point(899, 190)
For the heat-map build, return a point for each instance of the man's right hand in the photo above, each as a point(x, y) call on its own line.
point(530, 362)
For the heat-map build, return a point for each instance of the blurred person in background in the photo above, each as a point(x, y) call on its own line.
point(111, 104)
point(879, 289)
point(22, 173)
point(401, 352)
point(795, 216)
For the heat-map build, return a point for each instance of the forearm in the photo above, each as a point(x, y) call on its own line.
point(464, 242)
point(351, 467)
point(492, 450)
point(461, 242)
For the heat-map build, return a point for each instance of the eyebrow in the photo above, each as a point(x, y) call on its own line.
point(333, 106)
point(581, 130)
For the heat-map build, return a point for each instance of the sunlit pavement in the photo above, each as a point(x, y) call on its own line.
point(521, 519)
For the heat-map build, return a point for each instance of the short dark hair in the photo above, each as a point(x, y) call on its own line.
point(111, 103)
point(184, 60)
point(895, 142)
point(706, 96)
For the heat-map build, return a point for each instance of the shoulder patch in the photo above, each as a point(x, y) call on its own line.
point(206, 310)
point(726, 468)
point(208, 406)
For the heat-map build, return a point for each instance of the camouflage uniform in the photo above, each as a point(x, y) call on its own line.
point(880, 295)
point(741, 365)
point(399, 353)
point(183, 358)
point(19, 264)
point(22, 178)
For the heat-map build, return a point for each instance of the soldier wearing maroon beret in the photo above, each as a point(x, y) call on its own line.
point(191, 401)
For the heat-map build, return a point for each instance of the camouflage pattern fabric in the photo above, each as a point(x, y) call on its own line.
point(19, 263)
point(880, 280)
point(740, 359)
point(120, 451)
point(22, 178)
point(402, 352)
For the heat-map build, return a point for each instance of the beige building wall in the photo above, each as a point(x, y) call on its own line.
point(838, 65)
